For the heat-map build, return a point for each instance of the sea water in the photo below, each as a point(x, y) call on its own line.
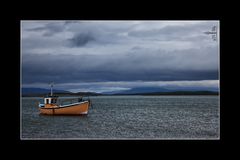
point(127, 117)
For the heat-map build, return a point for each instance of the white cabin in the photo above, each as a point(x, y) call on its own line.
point(50, 100)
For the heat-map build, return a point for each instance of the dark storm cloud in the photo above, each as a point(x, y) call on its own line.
point(99, 51)
point(130, 67)
point(81, 39)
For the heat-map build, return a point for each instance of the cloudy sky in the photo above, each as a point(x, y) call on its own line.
point(105, 56)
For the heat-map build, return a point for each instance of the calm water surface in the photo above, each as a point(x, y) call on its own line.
point(128, 117)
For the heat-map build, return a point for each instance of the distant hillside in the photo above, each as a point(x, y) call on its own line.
point(140, 90)
point(41, 91)
point(165, 91)
point(78, 94)
point(213, 89)
point(184, 93)
point(33, 92)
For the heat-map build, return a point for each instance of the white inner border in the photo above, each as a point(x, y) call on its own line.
point(218, 41)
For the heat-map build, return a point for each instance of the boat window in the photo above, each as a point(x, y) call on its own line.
point(52, 100)
point(47, 101)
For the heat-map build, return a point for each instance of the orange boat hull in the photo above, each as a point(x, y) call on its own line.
point(75, 109)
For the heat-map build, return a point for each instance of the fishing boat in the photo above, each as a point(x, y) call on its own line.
point(51, 106)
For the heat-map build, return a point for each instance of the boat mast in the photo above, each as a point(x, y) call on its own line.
point(51, 85)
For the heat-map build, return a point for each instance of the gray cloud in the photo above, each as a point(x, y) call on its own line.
point(157, 65)
point(176, 32)
point(49, 29)
point(99, 51)
point(81, 39)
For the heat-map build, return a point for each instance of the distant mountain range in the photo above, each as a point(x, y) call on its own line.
point(147, 90)
point(133, 91)
point(43, 92)
point(139, 90)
